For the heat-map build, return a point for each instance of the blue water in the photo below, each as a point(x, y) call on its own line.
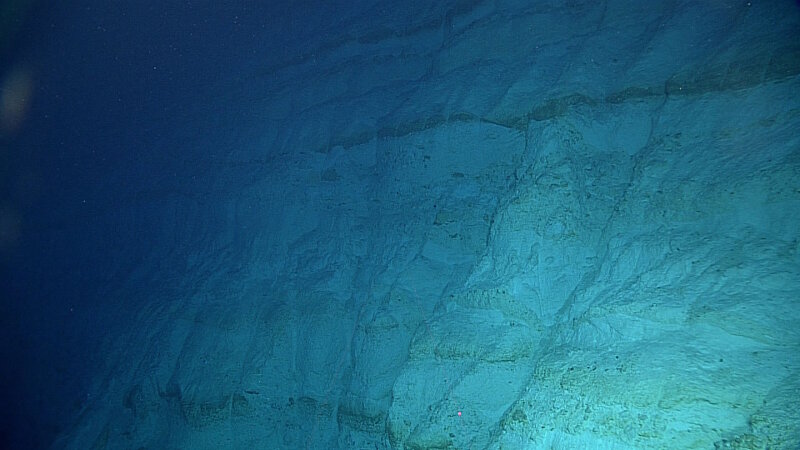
point(110, 80)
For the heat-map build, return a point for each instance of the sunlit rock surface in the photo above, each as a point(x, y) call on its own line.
point(481, 225)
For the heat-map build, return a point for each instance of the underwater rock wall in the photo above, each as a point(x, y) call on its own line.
point(489, 226)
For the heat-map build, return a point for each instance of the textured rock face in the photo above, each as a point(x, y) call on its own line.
point(489, 225)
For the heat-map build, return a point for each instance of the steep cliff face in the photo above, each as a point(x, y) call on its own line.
point(483, 225)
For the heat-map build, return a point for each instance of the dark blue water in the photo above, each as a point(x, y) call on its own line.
point(106, 84)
